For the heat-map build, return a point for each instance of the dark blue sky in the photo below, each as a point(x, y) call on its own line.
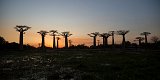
point(82, 16)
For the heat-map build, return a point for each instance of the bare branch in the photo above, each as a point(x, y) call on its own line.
point(20, 28)
point(139, 38)
point(154, 39)
point(122, 32)
point(42, 32)
point(93, 34)
point(145, 33)
point(111, 33)
point(67, 33)
point(105, 35)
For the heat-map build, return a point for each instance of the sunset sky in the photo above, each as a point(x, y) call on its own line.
point(80, 17)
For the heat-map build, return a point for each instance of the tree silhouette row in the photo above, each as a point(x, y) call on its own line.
point(43, 33)
point(106, 35)
point(66, 34)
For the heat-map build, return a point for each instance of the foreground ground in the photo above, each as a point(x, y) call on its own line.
point(93, 64)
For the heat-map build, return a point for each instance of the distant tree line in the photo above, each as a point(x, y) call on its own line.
point(22, 29)
point(124, 44)
point(5, 45)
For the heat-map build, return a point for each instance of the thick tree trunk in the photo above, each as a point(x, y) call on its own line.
point(21, 40)
point(66, 41)
point(104, 40)
point(112, 40)
point(123, 42)
point(94, 41)
point(43, 46)
point(54, 42)
point(139, 42)
point(146, 39)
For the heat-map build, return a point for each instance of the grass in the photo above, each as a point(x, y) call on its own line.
point(93, 64)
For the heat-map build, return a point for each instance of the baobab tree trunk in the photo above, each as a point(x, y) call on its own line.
point(112, 40)
point(43, 42)
point(139, 42)
point(21, 40)
point(146, 39)
point(66, 42)
point(54, 45)
point(106, 41)
point(123, 42)
point(94, 41)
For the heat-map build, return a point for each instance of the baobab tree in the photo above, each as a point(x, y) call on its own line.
point(66, 35)
point(112, 34)
point(105, 38)
point(53, 33)
point(94, 35)
point(21, 29)
point(140, 39)
point(123, 33)
point(145, 36)
point(43, 34)
point(58, 38)
point(154, 39)
point(2, 41)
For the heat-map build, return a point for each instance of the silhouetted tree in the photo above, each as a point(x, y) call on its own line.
point(66, 35)
point(2, 43)
point(94, 35)
point(154, 39)
point(58, 38)
point(21, 29)
point(140, 39)
point(112, 34)
point(53, 33)
point(127, 43)
point(123, 33)
point(105, 38)
point(145, 36)
point(43, 34)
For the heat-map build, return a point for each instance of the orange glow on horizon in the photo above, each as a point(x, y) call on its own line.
point(34, 39)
